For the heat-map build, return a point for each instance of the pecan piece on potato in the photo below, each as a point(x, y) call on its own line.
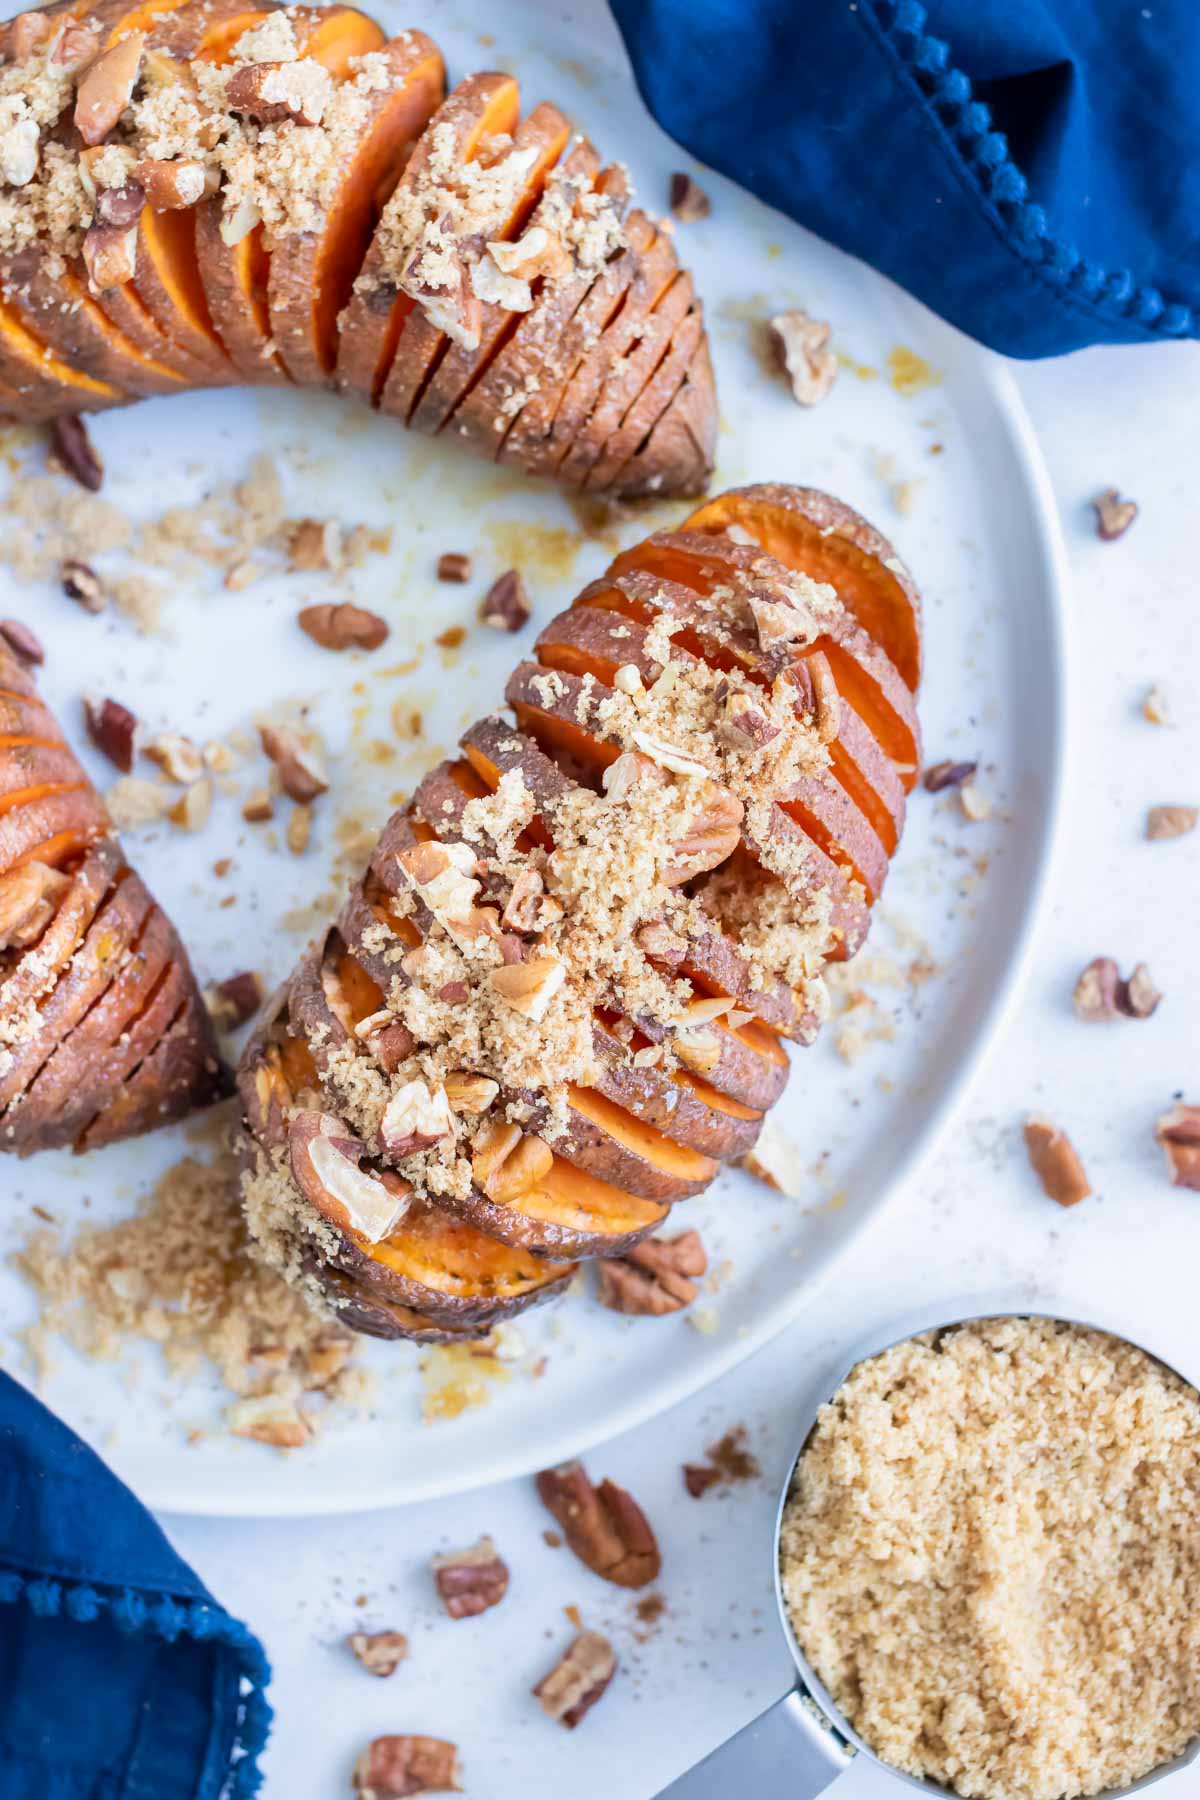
point(29, 898)
point(604, 1526)
point(471, 1581)
point(577, 1681)
point(656, 1277)
point(1178, 1131)
point(394, 1768)
point(379, 1652)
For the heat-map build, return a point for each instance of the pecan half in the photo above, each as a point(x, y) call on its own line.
point(343, 627)
point(107, 87)
point(507, 1162)
point(577, 1681)
point(29, 898)
point(689, 202)
point(1056, 1162)
point(113, 729)
point(471, 1581)
point(1178, 1131)
point(232, 1001)
point(604, 1526)
point(1171, 821)
point(379, 1652)
point(301, 772)
point(72, 451)
point(942, 775)
point(802, 346)
point(25, 644)
point(452, 565)
point(656, 1277)
point(395, 1768)
point(505, 606)
point(1114, 516)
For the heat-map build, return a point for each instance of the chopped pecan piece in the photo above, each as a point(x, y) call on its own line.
point(271, 93)
point(29, 898)
point(270, 1419)
point(942, 775)
point(529, 907)
point(72, 451)
point(301, 771)
point(1095, 993)
point(529, 987)
point(343, 627)
point(389, 1041)
point(27, 32)
point(172, 184)
point(1178, 1131)
point(1056, 1162)
point(1155, 707)
point(113, 729)
point(471, 1581)
point(505, 606)
point(1114, 516)
point(689, 202)
point(729, 1461)
point(176, 756)
point(415, 1118)
point(80, 582)
point(232, 1001)
point(699, 1477)
point(576, 1682)
point(107, 87)
point(744, 724)
point(312, 544)
point(395, 1768)
point(20, 153)
point(326, 1165)
point(471, 1093)
point(452, 565)
point(604, 1526)
point(191, 811)
point(110, 256)
point(25, 644)
point(121, 206)
point(1138, 997)
point(802, 345)
point(507, 1162)
point(379, 1652)
point(654, 1278)
point(1171, 821)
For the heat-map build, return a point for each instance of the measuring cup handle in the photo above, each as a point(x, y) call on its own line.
point(787, 1753)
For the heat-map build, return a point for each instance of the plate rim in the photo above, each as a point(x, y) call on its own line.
point(1049, 544)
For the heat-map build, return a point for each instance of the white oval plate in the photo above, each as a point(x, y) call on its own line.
point(976, 522)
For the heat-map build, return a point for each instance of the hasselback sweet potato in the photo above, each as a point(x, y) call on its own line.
point(103, 1033)
point(201, 193)
point(558, 998)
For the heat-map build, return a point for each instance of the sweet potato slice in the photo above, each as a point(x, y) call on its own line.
point(679, 454)
point(45, 385)
point(64, 316)
point(423, 346)
point(545, 132)
point(180, 1074)
point(599, 373)
point(826, 539)
point(630, 370)
point(529, 361)
point(483, 106)
point(628, 1153)
point(169, 282)
point(678, 1105)
point(235, 278)
point(312, 274)
point(571, 1213)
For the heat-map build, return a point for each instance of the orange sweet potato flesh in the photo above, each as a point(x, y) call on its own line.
point(311, 275)
point(90, 973)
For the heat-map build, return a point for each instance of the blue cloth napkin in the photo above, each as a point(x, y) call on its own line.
point(1028, 168)
point(120, 1676)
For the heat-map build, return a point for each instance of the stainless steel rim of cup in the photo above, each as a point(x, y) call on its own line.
point(810, 1682)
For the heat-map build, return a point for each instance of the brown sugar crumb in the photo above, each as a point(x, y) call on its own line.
point(178, 1273)
point(989, 1556)
point(729, 1462)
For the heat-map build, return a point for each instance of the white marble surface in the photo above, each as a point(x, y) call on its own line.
point(977, 1227)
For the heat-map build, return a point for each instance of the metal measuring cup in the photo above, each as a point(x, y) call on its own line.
point(803, 1741)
